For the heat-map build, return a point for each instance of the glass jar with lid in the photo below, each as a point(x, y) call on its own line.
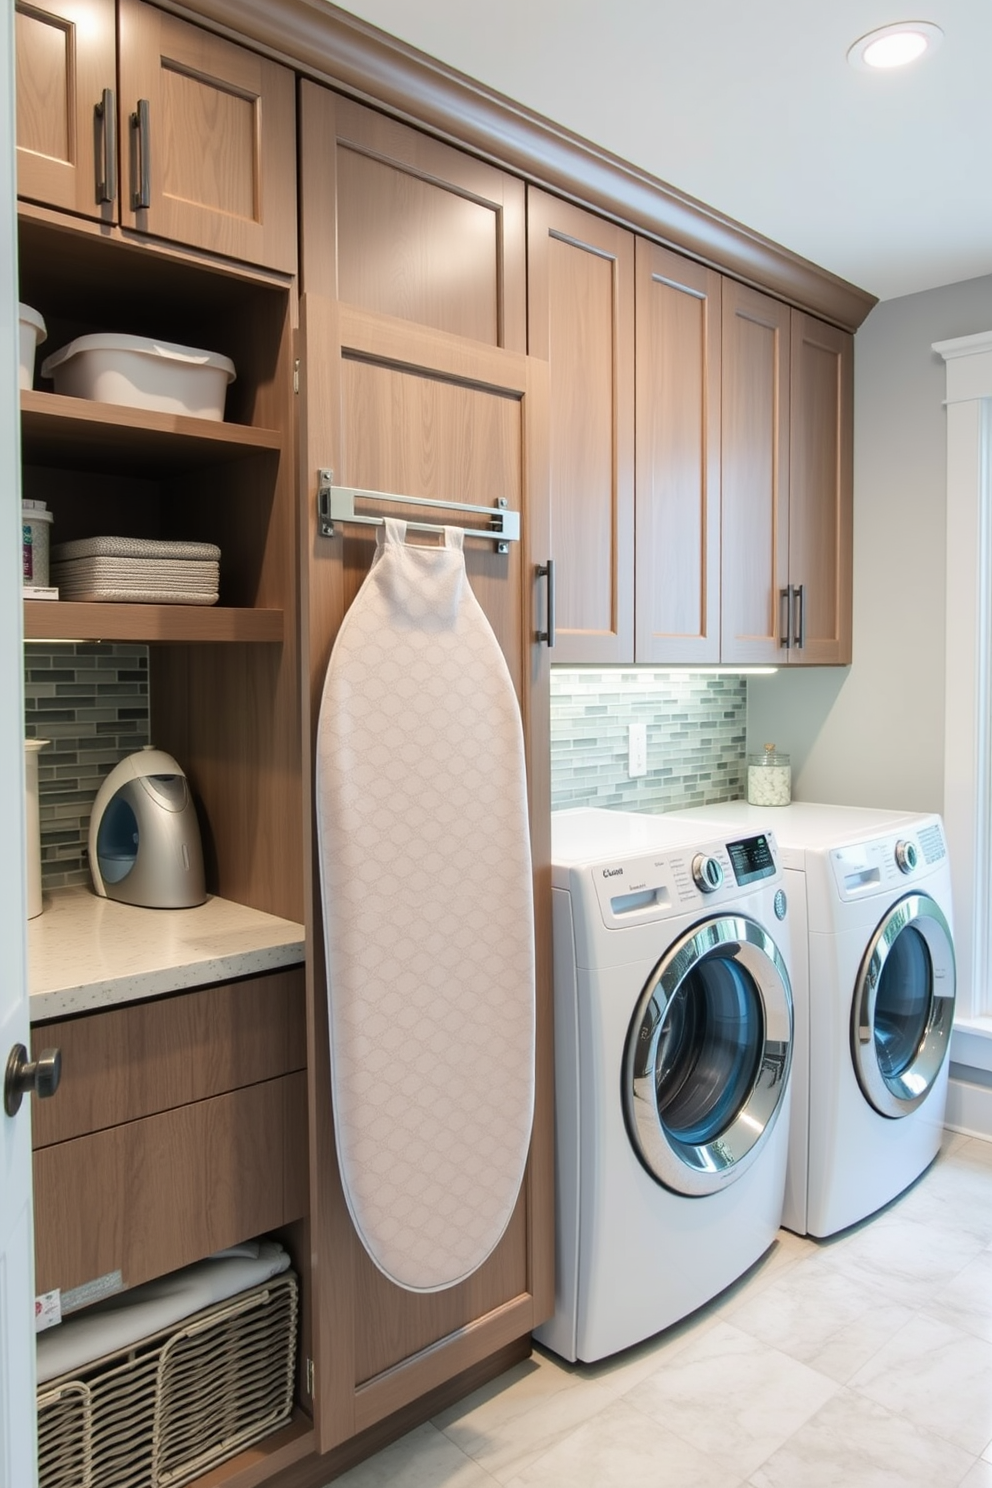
point(769, 778)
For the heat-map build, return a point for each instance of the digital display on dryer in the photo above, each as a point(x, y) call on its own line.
point(752, 859)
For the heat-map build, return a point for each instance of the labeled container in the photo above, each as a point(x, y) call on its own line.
point(32, 823)
point(32, 332)
point(36, 526)
point(141, 373)
point(769, 778)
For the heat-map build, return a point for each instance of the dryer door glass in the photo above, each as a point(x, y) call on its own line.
point(904, 1006)
point(707, 1057)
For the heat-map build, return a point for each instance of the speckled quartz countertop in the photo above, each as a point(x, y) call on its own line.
point(85, 952)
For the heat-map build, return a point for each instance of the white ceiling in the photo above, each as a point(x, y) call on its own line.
point(753, 109)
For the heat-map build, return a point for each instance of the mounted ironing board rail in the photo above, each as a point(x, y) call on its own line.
point(337, 504)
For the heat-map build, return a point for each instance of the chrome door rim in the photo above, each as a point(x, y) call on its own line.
point(899, 1095)
point(697, 1170)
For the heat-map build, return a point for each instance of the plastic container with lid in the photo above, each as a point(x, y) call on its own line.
point(141, 373)
point(32, 331)
point(36, 522)
point(769, 778)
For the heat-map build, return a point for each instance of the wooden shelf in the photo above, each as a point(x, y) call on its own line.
point(67, 620)
point(79, 434)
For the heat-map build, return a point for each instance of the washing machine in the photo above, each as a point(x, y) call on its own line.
point(673, 1047)
point(874, 982)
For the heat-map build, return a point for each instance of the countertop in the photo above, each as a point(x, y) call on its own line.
point(85, 952)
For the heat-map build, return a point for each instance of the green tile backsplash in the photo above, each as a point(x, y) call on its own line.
point(696, 736)
point(91, 701)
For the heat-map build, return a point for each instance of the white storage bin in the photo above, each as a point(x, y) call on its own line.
point(142, 374)
point(32, 333)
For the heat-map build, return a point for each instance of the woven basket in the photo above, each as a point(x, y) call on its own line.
point(175, 1404)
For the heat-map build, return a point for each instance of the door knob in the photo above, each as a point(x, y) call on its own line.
point(41, 1075)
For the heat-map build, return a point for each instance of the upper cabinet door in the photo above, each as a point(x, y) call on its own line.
point(755, 521)
point(399, 224)
point(820, 484)
point(581, 320)
point(66, 137)
point(208, 155)
point(678, 459)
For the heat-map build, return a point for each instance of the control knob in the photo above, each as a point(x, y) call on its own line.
point(707, 873)
point(906, 856)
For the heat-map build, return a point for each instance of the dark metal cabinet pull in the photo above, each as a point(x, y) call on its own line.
point(800, 625)
point(547, 571)
point(785, 609)
point(141, 195)
point(25, 1076)
point(106, 114)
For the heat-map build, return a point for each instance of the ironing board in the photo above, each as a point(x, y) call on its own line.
point(425, 868)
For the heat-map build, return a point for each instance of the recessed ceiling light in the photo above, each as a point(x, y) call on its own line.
point(894, 46)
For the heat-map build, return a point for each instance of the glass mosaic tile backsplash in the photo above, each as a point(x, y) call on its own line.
point(91, 702)
point(696, 738)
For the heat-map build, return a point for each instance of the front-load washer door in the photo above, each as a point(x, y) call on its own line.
point(904, 1006)
point(708, 1052)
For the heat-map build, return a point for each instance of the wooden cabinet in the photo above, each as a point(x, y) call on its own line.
point(396, 400)
point(66, 104)
point(581, 321)
point(742, 473)
point(787, 484)
point(177, 133)
point(176, 1131)
point(677, 573)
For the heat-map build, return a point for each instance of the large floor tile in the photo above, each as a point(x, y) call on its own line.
point(424, 1458)
point(856, 1443)
point(936, 1376)
point(903, 1260)
point(732, 1397)
point(824, 1318)
point(979, 1477)
point(621, 1448)
point(966, 1302)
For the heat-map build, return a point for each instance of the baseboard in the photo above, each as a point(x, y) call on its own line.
point(969, 1106)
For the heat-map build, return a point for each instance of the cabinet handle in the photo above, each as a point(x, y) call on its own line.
point(785, 613)
point(547, 571)
point(106, 115)
point(24, 1076)
point(800, 626)
point(141, 198)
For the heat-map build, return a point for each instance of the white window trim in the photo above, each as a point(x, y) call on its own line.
point(968, 696)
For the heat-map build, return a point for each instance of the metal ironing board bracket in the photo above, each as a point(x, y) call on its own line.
point(337, 504)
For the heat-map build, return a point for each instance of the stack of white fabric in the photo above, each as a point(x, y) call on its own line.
point(137, 571)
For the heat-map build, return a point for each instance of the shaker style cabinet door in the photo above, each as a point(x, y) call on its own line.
point(820, 488)
point(755, 518)
point(66, 105)
point(581, 321)
point(677, 467)
point(208, 149)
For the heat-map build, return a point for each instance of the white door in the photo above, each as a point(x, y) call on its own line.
point(17, 1414)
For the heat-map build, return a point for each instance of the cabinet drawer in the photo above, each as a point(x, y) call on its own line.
point(152, 1195)
point(129, 1062)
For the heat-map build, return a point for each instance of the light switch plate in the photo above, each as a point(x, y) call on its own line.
point(637, 750)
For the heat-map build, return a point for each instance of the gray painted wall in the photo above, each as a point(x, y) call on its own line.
point(873, 734)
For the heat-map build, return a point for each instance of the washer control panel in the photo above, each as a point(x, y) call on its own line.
point(637, 890)
point(886, 862)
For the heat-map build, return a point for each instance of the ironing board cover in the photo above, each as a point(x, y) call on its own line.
point(428, 916)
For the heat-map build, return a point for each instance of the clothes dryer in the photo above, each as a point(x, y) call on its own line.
point(673, 1045)
point(874, 982)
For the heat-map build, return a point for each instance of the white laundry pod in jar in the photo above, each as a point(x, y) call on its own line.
point(769, 778)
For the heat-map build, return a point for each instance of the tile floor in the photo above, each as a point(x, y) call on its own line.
point(863, 1361)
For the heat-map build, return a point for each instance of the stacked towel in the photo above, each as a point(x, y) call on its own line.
point(137, 571)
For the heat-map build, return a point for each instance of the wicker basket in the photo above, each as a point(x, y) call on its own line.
point(177, 1403)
